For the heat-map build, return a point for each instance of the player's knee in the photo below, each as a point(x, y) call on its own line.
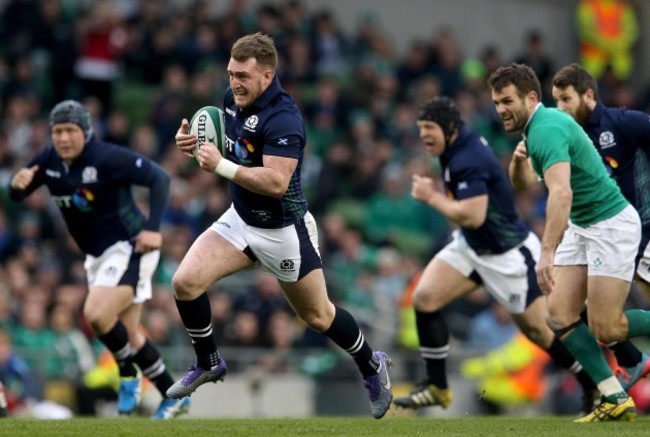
point(315, 322)
point(606, 332)
point(184, 287)
point(96, 317)
point(316, 319)
point(426, 300)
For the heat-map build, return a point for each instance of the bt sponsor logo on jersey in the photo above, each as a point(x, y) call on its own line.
point(82, 199)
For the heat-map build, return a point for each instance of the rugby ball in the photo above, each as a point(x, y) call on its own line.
point(209, 126)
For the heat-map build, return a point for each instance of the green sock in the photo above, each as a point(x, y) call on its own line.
point(616, 398)
point(584, 347)
point(638, 323)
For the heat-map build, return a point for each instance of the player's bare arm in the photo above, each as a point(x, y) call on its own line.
point(467, 213)
point(558, 181)
point(522, 175)
point(270, 180)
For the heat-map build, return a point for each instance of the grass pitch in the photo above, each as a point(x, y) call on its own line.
point(330, 426)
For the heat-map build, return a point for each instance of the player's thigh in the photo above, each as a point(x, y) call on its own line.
point(210, 258)
point(567, 300)
point(105, 304)
point(308, 298)
point(443, 280)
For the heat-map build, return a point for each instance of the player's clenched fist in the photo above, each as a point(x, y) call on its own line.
point(422, 188)
point(23, 177)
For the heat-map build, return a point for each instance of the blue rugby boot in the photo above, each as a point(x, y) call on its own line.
point(129, 394)
point(170, 408)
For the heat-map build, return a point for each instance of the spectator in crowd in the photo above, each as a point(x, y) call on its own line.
point(608, 30)
point(21, 388)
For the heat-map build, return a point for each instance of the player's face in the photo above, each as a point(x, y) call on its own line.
point(432, 136)
point(513, 110)
point(68, 140)
point(248, 80)
point(568, 100)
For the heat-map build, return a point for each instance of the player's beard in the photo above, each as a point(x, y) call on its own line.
point(582, 113)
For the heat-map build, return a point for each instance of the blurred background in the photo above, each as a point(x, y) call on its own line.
point(358, 70)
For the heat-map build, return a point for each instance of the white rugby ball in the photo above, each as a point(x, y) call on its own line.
point(209, 126)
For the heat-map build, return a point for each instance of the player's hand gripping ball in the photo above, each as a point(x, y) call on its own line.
point(209, 126)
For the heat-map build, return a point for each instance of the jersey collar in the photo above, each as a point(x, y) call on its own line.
point(269, 94)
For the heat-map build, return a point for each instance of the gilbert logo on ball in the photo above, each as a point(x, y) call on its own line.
point(209, 126)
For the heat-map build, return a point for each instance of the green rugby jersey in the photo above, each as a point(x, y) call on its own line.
point(553, 136)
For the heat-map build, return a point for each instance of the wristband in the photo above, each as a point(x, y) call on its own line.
point(226, 169)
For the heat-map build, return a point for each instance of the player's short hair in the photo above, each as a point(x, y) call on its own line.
point(577, 77)
point(443, 111)
point(258, 46)
point(71, 111)
point(520, 75)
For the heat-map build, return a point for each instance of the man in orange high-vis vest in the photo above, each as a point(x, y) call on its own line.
point(607, 30)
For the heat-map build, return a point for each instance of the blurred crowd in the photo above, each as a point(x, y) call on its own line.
point(142, 66)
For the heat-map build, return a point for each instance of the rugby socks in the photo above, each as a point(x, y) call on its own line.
point(117, 341)
point(627, 355)
point(345, 332)
point(638, 323)
point(149, 360)
point(563, 358)
point(434, 345)
point(197, 318)
point(584, 347)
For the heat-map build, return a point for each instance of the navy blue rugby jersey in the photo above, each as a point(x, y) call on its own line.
point(274, 126)
point(470, 169)
point(94, 193)
point(622, 137)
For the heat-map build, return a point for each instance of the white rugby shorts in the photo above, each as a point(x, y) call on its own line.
point(120, 265)
point(607, 248)
point(287, 253)
point(509, 277)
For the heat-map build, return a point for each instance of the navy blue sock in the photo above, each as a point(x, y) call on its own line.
point(197, 318)
point(150, 362)
point(434, 346)
point(117, 341)
point(345, 332)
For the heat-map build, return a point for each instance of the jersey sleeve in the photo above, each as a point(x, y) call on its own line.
point(129, 168)
point(284, 135)
point(469, 181)
point(549, 148)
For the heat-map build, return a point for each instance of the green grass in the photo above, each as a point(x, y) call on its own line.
point(332, 426)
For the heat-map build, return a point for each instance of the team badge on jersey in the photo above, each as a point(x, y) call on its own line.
point(89, 175)
point(606, 140)
point(251, 123)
